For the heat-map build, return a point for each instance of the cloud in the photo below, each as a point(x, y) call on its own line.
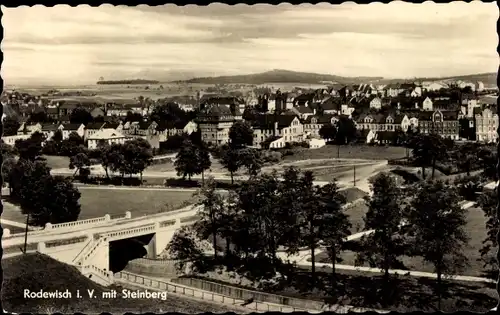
point(82, 43)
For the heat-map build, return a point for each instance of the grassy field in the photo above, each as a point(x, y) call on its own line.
point(348, 152)
point(408, 294)
point(97, 203)
point(39, 272)
point(57, 161)
point(356, 214)
point(476, 230)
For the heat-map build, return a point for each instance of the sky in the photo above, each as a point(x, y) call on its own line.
point(74, 45)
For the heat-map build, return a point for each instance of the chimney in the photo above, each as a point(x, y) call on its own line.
point(416, 105)
point(275, 128)
point(399, 105)
point(314, 111)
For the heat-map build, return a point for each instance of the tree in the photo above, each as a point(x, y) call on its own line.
point(72, 145)
point(488, 202)
point(467, 157)
point(133, 116)
point(78, 162)
point(184, 248)
point(31, 148)
point(137, 156)
point(335, 224)
point(311, 216)
point(259, 199)
point(186, 161)
point(210, 212)
point(346, 130)
point(437, 225)
point(58, 136)
point(488, 161)
point(111, 158)
point(230, 159)
point(328, 132)
point(80, 115)
point(10, 125)
point(7, 167)
point(384, 216)
point(203, 160)
point(240, 135)
point(427, 150)
point(60, 202)
point(251, 159)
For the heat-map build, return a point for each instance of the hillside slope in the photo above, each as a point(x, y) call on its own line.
point(279, 76)
point(39, 272)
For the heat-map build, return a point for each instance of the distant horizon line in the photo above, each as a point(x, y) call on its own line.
point(163, 81)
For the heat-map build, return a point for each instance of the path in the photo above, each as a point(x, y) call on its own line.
point(301, 259)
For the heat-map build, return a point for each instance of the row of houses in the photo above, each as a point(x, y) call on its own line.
point(97, 133)
point(295, 126)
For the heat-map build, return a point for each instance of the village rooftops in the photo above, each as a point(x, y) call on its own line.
point(71, 126)
point(106, 134)
point(266, 121)
point(95, 125)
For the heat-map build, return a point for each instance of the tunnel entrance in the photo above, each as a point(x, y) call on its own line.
point(123, 251)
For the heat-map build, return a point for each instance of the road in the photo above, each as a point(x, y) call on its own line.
point(364, 171)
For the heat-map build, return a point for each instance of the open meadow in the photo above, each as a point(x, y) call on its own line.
point(367, 152)
point(115, 202)
point(476, 230)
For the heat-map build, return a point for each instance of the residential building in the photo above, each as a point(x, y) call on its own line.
point(29, 129)
point(303, 111)
point(376, 103)
point(67, 129)
point(427, 104)
point(312, 124)
point(93, 128)
point(11, 140)
point(486, 122)
point(105, 137)
point(346, 110)
point(143, 128)
point(444, 123)
point(316, 143)
point(214, 122)
point(287, 127)
point(479, 86)
point(48, 130)
point(97, 111)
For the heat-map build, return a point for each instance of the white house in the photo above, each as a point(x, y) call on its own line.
point(316, 143)
point(11, 140)
point(347, 110)
point(67, 129)
point(190, 127)
point(427, 104)
point(105, 137)
point(376, 103)
point(417, 92)
point(287, 127)
point(29, 128)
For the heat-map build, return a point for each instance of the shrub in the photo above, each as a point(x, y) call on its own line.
point(468, 186)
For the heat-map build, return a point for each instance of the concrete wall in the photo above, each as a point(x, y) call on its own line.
point(101, 257)
point(164, 235)
point(64, 253)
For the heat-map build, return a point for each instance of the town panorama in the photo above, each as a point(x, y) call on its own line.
point(250, 158)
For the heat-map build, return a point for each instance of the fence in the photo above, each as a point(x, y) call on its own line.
point(209, 296)
point(68, 241)
point(154, 267)
point(244, 294)
point(50, 226)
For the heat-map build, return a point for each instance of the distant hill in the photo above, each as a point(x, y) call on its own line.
point(280, 76)
point(286, 76)
point(135, 81)
point(487, 78)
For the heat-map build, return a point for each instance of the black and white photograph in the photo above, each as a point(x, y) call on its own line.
point(250, 158)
